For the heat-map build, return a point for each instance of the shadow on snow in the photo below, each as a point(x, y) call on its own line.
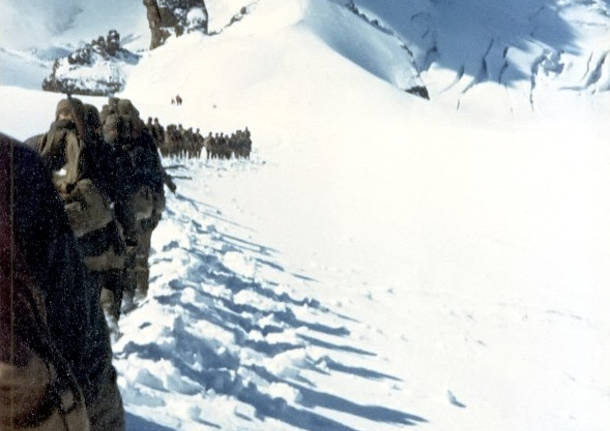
point(206, 364)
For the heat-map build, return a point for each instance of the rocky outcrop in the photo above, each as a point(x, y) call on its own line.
point(95, 69)
point(419, 90)
point(174, 18)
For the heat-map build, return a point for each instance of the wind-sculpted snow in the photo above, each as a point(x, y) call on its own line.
point(226, 339)
point(515, 44)
point(368, 46)
point(461, 30)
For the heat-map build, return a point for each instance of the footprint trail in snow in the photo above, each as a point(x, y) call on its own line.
point(225, 339)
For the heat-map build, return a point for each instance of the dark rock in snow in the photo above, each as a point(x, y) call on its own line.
point(174, 18)
point(94, 69)
point(420, 91)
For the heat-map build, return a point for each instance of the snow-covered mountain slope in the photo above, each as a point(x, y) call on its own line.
point(97, 68)
point(383, 260)
point(491, 57)
point(35, 33)
point(41, 23)
point(22, 69)
point(323, 25)
point(530, 47)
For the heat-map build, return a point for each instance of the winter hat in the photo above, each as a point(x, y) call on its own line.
point(70, 106)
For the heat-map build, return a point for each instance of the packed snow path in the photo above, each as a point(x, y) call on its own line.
point(231, 338)
point(227, 340)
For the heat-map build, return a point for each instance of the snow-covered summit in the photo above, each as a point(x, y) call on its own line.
point(491, 56)
point(97, 68)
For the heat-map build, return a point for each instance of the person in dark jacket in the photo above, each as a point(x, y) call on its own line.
point(124, 129)
point(74, 153)
point(67, 329)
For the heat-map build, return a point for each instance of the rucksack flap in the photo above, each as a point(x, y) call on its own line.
point(87, 208)
point(73, 169)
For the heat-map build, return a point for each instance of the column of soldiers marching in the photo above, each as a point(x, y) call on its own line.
point(79, 217)
point(176, 141)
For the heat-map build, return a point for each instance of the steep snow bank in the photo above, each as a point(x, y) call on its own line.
point(301, 23)
point(376, 51)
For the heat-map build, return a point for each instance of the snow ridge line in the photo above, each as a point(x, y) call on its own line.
point(353, 7)
point(244, 10)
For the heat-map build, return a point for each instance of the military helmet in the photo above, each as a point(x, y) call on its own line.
point(70, 107)
point(125, 107)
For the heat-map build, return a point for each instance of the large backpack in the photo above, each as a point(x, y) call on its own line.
point(38, 390)
point(123, 126)
point(64, 154)
point(89, 209)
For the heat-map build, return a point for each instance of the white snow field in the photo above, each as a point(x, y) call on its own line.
point(382, 261)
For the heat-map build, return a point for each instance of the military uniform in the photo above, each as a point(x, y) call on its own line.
point(72, 150)
point(65, 361)
point(145, 195)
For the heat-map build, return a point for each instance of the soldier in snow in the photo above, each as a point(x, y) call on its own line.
point(58, 372)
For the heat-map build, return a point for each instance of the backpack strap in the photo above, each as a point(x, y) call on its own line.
point(18, 287)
